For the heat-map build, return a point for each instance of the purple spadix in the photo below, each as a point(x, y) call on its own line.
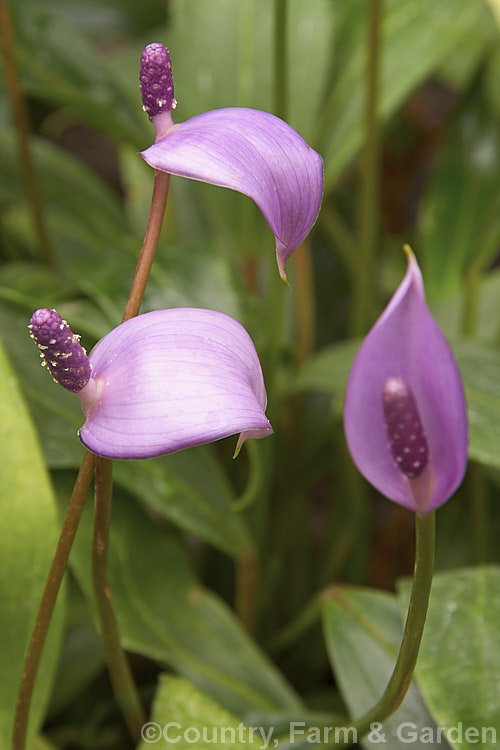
point(405, 414)
point(404, 428)
point(60, 350)
point(246, 150)
point(162, 381)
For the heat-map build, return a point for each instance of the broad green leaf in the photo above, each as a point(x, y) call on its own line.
point(189, 489)
point(417, 36)
point(181, 711)
point(327, 370)
point(166, 615)
point(186, 717)
point(459, 664)
point(28, 535)
point(363, 632)
point(448, 311)
point(480, 368)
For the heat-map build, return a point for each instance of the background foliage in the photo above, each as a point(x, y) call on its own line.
point(222, 571)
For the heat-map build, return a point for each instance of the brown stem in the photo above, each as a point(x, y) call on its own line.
point(146, 257)
point(119, 669)
point(35, 648)
point(49, 596)
point(246, 573)
point(23, 130)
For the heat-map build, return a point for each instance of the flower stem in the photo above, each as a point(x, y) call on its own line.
point(146, 257)
point(368, 209)
point(49, 596)
point(415, 620)
point(23, 129)
point(246, 582)
point(119, 670)
point(82, 484)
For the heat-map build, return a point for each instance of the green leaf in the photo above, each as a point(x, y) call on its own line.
point(363, 632)
point(189, 489)
point(459, 661)
point(77, 203)
point(166, 615)
point(28, 534)
point(460, 224)
point(181, 712)
point(190, 719)
point(58, 64)
point(417, 36)
point(479, 365)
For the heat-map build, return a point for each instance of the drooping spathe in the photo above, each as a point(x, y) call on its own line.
point(163, 381)
point(246, 150)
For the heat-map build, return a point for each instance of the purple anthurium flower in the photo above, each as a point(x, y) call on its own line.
point(247, 150)
point(405, 414)
point(160, 382)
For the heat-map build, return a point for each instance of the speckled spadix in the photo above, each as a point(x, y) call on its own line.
point(246, 150)
point(171, 379)
point(405, 414)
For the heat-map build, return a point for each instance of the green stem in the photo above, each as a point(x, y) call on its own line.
point(415, 620)
point(368, 208)
point(49, 596)
point(119, 670)
point(336, 230)
point(280, 59)
point(23, 130)
point(275, 302)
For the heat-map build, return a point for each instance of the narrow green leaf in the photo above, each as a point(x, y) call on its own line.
point(60, 65)
point(363, 632)
point(71, 192)
point(417, 36)
point(460, 224)
point(28, 534)
point(459, 664)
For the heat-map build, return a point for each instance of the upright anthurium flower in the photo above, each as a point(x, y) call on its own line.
point(247, 150)
point(405, 413)
point(159, 382)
